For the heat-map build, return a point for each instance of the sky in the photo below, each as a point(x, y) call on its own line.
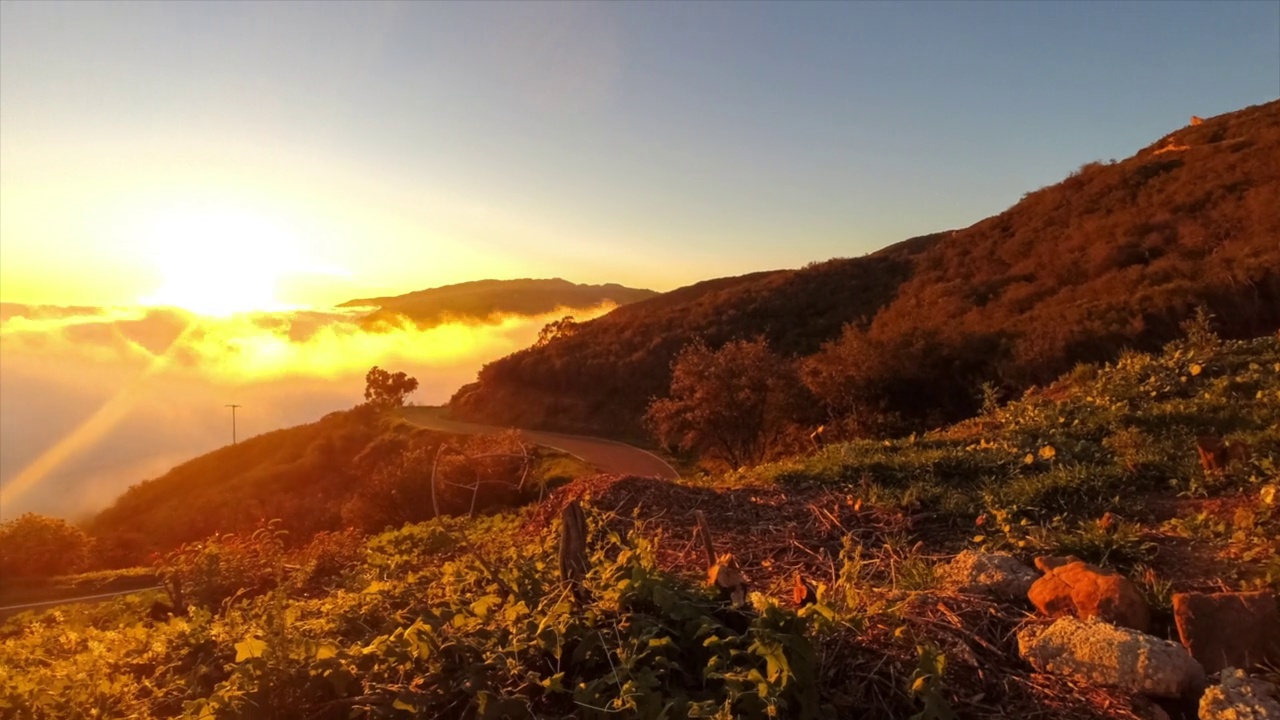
point(259, 155)
point(187, 188)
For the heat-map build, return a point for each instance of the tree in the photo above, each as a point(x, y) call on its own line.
point(870, 385)
point(385, 391)
point(39, 546)
point(564, 327)
point(733, 404)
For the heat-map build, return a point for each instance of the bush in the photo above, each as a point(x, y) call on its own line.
point(733, 404)
point(209, 572)
point(38, 546)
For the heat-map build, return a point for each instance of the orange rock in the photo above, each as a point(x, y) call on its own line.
point(1239, 630)
point(1073, 587)
point(1108, 522)
point(803, 593)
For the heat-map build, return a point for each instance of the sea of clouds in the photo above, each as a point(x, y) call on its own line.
point(93, 400)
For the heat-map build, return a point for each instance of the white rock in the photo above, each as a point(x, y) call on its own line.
point(997, 574)
point(1102, 654)
point(1240, 697)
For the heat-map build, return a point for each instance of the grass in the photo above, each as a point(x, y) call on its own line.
point(1036, 474)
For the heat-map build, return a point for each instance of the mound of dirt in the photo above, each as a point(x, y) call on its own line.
point(772, 532)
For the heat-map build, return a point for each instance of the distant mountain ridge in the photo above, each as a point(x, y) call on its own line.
point(485, 300)
point(1114, 256)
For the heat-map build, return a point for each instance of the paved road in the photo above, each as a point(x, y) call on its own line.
point(8, 610)
point(606, 455)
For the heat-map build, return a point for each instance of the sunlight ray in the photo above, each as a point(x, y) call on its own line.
point(92, 429)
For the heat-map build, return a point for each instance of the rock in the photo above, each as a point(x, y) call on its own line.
point(996, 574)
point(1240, 697)
point(1213, 453)
point(1102, 654)
point(727, 577)
point(1229, 629)
point(803, 593)
point(1073, 587)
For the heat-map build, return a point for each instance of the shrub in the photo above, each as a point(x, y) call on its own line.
point(209, 572)
point(38, 546)
point(732, 405)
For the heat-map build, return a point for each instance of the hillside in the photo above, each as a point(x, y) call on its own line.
point(1114, 256)
point(486, 300)
point(351, 469)
point(300, 473)
point(470, 617)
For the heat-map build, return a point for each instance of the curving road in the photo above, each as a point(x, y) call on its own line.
point(8, 610)
point(608, 456)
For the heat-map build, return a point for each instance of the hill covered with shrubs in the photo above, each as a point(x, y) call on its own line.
point(355, 469)
point(1114, 256)
point(846, 554)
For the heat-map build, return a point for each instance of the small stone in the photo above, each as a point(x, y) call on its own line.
point(1240, 697)
point(1073, 587)
point(1239, 630)
point(997, 574)
point(1101, 654)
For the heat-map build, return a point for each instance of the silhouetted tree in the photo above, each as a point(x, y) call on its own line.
point(564, 327)
point(385, 391)
point(733, 404)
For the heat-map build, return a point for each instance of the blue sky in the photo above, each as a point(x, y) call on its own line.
point(407, 145)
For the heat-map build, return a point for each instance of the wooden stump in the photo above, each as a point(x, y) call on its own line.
point(573, 543)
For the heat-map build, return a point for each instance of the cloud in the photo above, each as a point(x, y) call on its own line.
point(93, 400)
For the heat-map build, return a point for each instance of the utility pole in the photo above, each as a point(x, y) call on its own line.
point(233, 422)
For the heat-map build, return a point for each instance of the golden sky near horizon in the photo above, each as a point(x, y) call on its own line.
point(234, 155)
point(210, 240)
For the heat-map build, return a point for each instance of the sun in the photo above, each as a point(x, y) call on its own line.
point(220, 262)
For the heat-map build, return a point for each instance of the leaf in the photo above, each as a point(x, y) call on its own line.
point(250, 648)
point(402, 705)
point(482, 606)
point(555, 683)
point(326, 651)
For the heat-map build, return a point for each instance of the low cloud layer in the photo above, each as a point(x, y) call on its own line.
point(93, 400)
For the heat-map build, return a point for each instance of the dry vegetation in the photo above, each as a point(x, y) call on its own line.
point(1162, 465)
point(463, 617)
point(1114, 256)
